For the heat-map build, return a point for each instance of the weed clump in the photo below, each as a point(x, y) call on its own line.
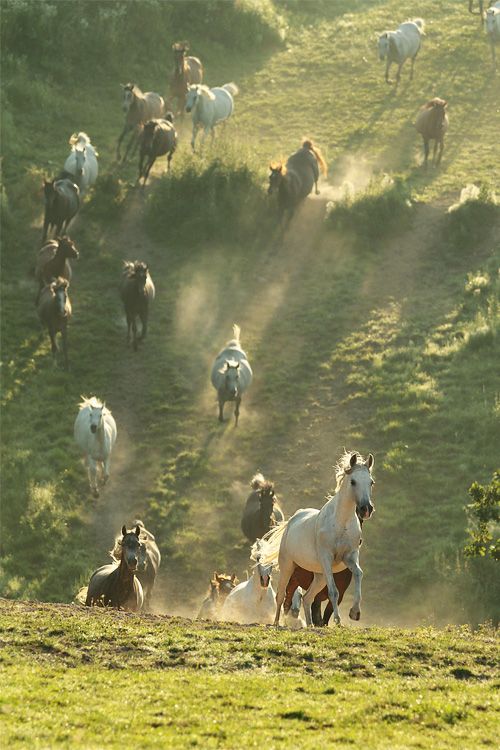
point(472, 217)
point(385, 206)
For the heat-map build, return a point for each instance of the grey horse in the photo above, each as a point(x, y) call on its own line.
point(149, 562)
point(231, 375)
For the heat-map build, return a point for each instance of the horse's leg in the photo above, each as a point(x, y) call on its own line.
point(440, 154)
point(132, 142)
point(317, 584)
point(387, 66)
point(124, 132)
point(434, 152)
point(92, 471)
point(326, 559)
point(144, 323)
point(148, 168)
point(352, 562)
point(53, 343)
point(426, 152)
point(106, 466)
point(134, 334)
point(221, 410)
point(169, 159)
point(64, 337)
point(237, 411)
point(412, 66)
point(398, 74)
point(193, 136)
point(317, 619)
point(287, 567)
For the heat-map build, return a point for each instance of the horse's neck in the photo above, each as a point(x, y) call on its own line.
point(342, 508)
point(256, 590)
point(137, 108)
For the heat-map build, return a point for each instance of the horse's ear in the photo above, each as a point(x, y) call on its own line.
point(370, 461)
point(124, 530)
point(353, 460)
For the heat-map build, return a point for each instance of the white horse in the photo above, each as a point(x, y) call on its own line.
point(252, 601)
point(398, 46)
point(209, 107)
point(327, 540)
point(231, 374)
point(82, 161)
point(95, 434)
point(493, 30)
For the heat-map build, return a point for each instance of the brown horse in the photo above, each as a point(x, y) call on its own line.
point(54, 311)
point(158, 137)
point(137, 291)
point(294, 182)
point(432, 124)
point(304, 578)
point(62, 201)
point(53, 261)
point(116, 584)
point(187, 71)
point(139, 108)
point(221, 586)
point(261, 511)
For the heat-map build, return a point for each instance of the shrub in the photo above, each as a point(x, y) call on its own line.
point(471, 219)
point(383, 207)
point(484, 516)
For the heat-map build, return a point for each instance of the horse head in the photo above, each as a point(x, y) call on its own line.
point(358, 483)
point(264, 573)
point(131, 547)
point(232, 377)
point(129, 94)
point(140, 272)
point(95, 417)
point(180, 49)
point(225, 583)
point(68, 247)
point(383, 45)
point(267, 498)
point(275, 177)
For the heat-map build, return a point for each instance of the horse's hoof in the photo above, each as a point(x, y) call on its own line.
point(354, 614)
point(337, 620)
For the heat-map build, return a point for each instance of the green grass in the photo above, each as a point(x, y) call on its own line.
point(380, 344)
point(86, 678)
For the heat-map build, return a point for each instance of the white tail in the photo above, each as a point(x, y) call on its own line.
point(236, 332)
point(232, 88)
point(270, 544)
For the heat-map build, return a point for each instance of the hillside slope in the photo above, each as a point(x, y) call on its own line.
point(388, 346)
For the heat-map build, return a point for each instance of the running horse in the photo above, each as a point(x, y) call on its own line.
point(187, 71)
point(294, 181)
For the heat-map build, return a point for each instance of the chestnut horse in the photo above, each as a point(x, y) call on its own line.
point(432, 124)
point(187, 71)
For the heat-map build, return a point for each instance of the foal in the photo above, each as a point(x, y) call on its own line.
point(54, 311)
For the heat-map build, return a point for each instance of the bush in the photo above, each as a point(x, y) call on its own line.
point(383, 207)
point(484, 516)
point(471, 219)
point(218, 198)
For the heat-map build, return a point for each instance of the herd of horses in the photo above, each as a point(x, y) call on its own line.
point(315, 551)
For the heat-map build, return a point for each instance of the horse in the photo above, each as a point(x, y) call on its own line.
point(54, 312)
point(137, 291)
point(303, 579)
point(221, 586)
point(327, 540)
point(158, 137)
point(252, 601)
point(149, 562)
point(293, 620)
point(432, 124)
point(95, 435)
point(62, 201)
point(493, 30)
point(231, 375)
point(54, 260)
point(81, 165)
point(294, 182)
point(187, 71)
point(262, 511)
point(117, 585)
point(208, 107)
point(397, 46)
point(138, 108)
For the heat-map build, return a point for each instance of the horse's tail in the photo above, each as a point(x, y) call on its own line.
point(257, 481)
point(317, 153)
point(236, 332)
point(232, 88)
point(420, 23)
point(269, 545)
point(81, 597)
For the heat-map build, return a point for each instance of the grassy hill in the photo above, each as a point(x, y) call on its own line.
point(93, 679)
point(382, 341)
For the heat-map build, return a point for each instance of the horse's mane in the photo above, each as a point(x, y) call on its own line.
point(277, 164)
point(80, 138)
point(343, 466)
point(94, 403)
point(258, 550)
point(308, 144)
point(436, 102)
point(134, 88)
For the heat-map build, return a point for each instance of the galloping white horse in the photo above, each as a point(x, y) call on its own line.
point(209, 107)
point(95, 434)
point(327, 540)
point(252, 601)
point(231, 374)
point(493, 29)
point(82, 161)
point(398, 46)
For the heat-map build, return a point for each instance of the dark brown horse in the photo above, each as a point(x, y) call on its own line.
point(138, 108)
point(62, 201)
point(54, 311)
point(432, 124)
point(158, 137)
point(187, 71)
point(294, 182)
point(53, 260)
point(221, 586)
point(116, 584)
point(261, 511)
point(149, 562)
point(137, 291)
point(304, 578)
